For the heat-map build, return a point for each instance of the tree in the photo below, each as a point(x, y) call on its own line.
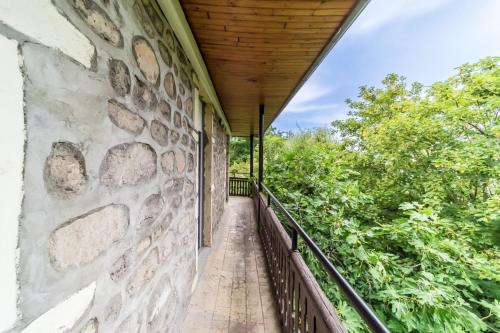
point(403, 197)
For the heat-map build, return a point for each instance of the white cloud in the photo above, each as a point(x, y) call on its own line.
point(310, 107)
point(325, 118)
point(382, 12)
point(307, 98)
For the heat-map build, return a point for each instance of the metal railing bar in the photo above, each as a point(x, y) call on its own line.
point(366, 313)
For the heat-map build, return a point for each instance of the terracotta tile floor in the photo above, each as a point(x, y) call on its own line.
point(233, 293)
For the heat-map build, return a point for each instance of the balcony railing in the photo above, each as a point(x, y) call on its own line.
point(239, 186)
point(302, 305)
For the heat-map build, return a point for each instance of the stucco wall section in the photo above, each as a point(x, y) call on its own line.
point(101, 207)
point(41, 21)
point(11, 170)
point(62, 317)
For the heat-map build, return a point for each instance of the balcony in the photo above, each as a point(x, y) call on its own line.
point(256, 280)
point(234, 293)
point(118, 119)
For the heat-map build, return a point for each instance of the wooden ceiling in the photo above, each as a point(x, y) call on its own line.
point(258, 51)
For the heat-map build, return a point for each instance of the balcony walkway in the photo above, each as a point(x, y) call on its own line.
point(234, 291)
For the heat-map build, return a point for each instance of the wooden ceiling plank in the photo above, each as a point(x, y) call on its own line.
point(278, 42)
point(238, 49)
point(265, 36)
point(258, 46)
point(288, 4)
point(262, 50)
point(282, 30)
point(246, 23)
point(227, 9)
point(259, 41)
point(267, 18)
point(257, 51)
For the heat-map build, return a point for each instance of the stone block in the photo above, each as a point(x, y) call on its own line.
point(113, 308)
point(64, 173)
point(173, 186)
point(181, 56)
point(189, 107)
point(144, 273)
point(165, 54)
point(165, 111)
point(98, 21)
point(121, 266)
point(125, 119)
point(151, 209)
point(128, 164)
point(177, 119)
point(179, 102)
point(180, 161)
point(161, 226)
point(176, 201)
point(188, 189)
point(170, 40)
point(169, 86)
point(159, 132)
point(79, 241)
point(146, 60)
point(144, 20)
point(184, 139)
point(160, 297)
point(185, 79)
point(174, 136)
point(185, 123)
point(143, 96)
point(167, 162)
point(144, 244)
point(190, 162)
point(119, 76)
point(153, 16)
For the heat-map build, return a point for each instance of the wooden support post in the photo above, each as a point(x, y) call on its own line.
point(261, 146)
point(251, 155)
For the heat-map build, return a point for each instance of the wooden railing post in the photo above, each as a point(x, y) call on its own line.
point(295, 238)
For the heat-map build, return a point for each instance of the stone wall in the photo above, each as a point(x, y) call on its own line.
point(101, 132)
point(220, 142)
point(215, 172)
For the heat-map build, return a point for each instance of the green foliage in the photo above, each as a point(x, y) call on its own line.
point(403, 197)
point(240, 150)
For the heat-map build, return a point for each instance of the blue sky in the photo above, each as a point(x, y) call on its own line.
point(423, 40)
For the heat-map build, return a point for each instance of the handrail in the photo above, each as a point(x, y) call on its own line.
point(239, 174)
point(368, 316)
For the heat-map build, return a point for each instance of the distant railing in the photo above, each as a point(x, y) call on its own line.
point(239, 186)
point(303, 306)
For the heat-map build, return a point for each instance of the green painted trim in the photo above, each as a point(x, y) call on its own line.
point(172, 10)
